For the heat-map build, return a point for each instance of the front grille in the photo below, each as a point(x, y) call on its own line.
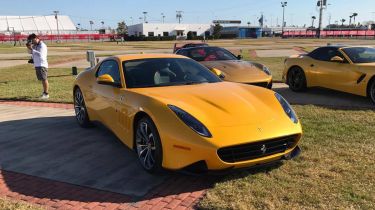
point(256, 150)
point(260, 84)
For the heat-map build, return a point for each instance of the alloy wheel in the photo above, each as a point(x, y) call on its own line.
point(146, 145)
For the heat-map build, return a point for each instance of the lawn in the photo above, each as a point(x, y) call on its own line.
point(335, 170)
point(6, 204)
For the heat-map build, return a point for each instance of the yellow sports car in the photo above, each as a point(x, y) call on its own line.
point(175, 113)
point(229, 67)
point(347, 69)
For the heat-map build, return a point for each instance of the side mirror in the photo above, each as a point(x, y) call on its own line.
point(239, 57)
point(337, 59)
point(107, 79)
point(218, 73)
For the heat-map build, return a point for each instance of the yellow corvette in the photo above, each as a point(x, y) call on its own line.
point(346, 69)
point(229, 67)
point(175, 113)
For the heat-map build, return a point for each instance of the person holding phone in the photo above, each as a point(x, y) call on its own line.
point(38, 50)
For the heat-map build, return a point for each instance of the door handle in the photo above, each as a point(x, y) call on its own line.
point(312, 65)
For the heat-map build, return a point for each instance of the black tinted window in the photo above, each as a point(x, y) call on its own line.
point(157, 72)
point(110, 67)
point(210, 54)
point(325, 53)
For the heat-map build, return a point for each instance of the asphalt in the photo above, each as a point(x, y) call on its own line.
point(48, 143)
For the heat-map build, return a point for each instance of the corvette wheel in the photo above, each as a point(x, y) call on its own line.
point(148, 146)
point(372, 92)
point(80, 109)
point(297, 79)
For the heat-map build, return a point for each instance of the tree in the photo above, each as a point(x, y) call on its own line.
point(216, 31)
point(342, 21)
point(122, 28)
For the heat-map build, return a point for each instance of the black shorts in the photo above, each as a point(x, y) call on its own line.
point(41, 73)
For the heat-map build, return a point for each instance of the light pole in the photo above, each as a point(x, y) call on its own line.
point(14, 35)
point(179, 16)
point(144, 17)
point(91, 23)
point(162, 17)
point(322, 4)
point(283, 5)
point(57, 24)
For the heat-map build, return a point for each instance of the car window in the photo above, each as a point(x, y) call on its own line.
point(326, 54)
point(156, 72)
point(210, 54)
point(361, 54)
point(110, 67)
point(182, 52)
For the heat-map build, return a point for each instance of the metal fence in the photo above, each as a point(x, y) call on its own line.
point(366, 34)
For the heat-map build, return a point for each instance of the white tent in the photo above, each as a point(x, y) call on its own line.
point(37, 24)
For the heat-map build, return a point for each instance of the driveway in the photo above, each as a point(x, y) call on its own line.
point(323, 97)
point(48, 143)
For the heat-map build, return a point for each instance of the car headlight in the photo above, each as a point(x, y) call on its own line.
point(191, 121)
point(287, 108)
point(266, 70)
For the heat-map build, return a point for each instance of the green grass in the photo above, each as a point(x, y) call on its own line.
point(20, 83)
point(335, 170)
point(275, 64)
point(6, 204)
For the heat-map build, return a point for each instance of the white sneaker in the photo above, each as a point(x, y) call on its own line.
point(44, 96)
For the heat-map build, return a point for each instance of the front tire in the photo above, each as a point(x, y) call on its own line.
point(372, 91)
point(80, 109)
point(297, 79)
point(148, 145)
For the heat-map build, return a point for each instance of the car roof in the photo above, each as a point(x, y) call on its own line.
point(145, 56)
point(190, 48)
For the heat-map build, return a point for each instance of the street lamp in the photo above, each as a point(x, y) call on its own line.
point(57, 24)
point(162, 17)
point(144, 17)
point(283, 5)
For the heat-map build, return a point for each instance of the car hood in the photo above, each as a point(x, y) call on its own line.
point(222, 103)
point(238, 70)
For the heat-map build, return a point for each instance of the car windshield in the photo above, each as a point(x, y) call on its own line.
point(156, 72)
point(361, 54)
point(209, 54)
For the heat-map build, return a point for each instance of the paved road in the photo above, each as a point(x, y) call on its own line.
point(324, 97)
point(47, 143)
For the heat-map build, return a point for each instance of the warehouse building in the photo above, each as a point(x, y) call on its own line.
point(167, 29)
point(37, 24)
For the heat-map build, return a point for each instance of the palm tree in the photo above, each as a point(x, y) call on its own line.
point(354, 15)
point(313, 20)
point(342, 22)
point(350, 20)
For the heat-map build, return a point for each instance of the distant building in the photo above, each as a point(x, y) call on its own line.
point(167, 29)
point(241, 32)
point(37, 24)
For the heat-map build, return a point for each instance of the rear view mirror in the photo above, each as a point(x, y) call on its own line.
point(218, 72)
point(337, 59)
point(107, 79)
point(239, 57)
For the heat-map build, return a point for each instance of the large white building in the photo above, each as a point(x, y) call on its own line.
point(37, 24)
point(167, 29)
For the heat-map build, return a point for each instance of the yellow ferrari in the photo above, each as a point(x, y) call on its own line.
point(229, 67)
point(177, 114)
point(346, 69)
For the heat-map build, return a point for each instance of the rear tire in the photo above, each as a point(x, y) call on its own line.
point(80, 109)
point(297, 79)
point(371, 90)
point(148, 146)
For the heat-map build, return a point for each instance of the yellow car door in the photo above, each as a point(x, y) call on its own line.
point(332, 70)
point(107, 93)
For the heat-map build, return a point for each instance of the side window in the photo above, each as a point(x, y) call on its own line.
point(321, 54)
point(182, 52)
point(110, 67)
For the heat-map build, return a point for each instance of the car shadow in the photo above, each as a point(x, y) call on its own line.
point(53, 158)
point(326, 98)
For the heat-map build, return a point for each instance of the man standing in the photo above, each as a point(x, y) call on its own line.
point(39, 54)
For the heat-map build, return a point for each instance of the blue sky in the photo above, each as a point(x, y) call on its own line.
point(298, 12)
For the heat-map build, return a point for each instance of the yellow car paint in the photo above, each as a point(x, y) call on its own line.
point(234, 113)
point(345, 77)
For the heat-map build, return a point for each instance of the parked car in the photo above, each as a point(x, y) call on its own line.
point(346, 69)
point(175, 113)
point(229, 67)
